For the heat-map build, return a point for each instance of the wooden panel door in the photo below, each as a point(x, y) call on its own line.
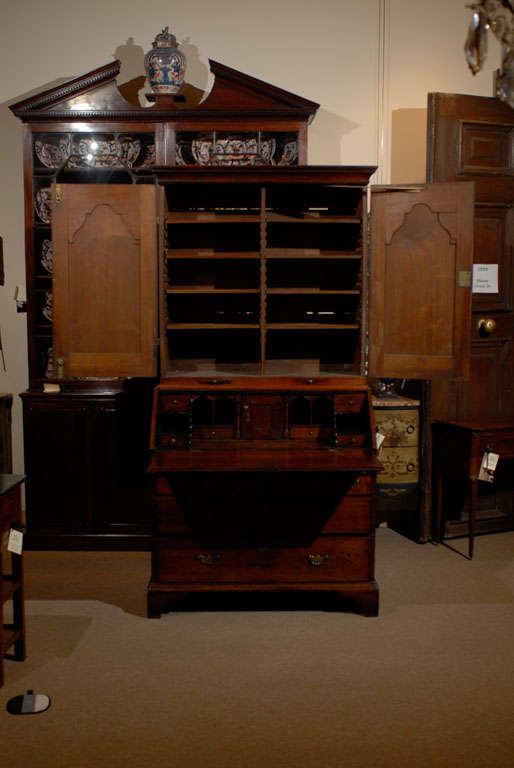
point(420, 262)
point(262, 417)
point(472, 138)
point(57, 463)
point(105, 279)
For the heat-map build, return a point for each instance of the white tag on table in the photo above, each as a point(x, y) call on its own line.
point(488, 466)
point(15, 541)
point(379, 440)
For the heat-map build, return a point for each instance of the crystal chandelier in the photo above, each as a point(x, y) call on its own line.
point(498, 16)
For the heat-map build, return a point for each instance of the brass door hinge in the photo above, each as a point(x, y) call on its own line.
point(58, 193)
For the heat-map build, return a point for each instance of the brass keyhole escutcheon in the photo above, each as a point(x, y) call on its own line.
point(486, 325)
point(246, 412)
point(210, 558)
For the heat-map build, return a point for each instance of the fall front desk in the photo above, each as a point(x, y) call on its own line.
point(263, 484)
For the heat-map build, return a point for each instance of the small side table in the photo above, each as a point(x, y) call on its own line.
point(458, 448)
point(11, 583)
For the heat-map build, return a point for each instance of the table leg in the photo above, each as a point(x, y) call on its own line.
point(439, 505)
point(472, 515)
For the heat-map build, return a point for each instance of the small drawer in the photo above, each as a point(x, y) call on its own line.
point(213, 433)
point(401, 465)
point(176, 440)
point(351, 441)
point(174, 402)
point(502, 444)
point(314, 433)
point(400, 426)
point(329, 559)
point(349, 403)
point(353, 515)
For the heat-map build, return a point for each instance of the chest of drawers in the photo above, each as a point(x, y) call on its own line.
point(263, 484)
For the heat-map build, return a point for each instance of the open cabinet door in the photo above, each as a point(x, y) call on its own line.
point(420, 281)
point(105, 279)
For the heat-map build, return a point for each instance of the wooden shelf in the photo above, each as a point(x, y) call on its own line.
point(209, 254)
point(187, 291)
point(311, 218)
point(299, 253)
point(211, 326)
point(212, 218)
point(311, 292)
point(311, 326)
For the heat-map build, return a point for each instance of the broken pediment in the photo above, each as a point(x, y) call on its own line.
point(96, 94)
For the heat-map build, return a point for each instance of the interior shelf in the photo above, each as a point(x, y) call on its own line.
point(211, 218)
point(311, 291)
point(209, 326)
point(211, 254)
point(312, 326)
point(201, 289)
point(309, 253)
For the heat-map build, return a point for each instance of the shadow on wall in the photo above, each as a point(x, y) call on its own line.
point(408, 146)
point(132, 82)
point(326, 133)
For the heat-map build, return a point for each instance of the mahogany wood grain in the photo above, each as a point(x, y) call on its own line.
point(421, 237)
point(105, 279)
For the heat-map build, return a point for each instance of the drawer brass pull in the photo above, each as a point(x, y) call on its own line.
point(316, 559)
point(410, 429)
point(209, 558)
point(411, 467)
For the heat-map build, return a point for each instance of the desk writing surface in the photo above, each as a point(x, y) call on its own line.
point(245, 459)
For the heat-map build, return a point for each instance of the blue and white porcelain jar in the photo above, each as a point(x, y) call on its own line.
point(165, 65)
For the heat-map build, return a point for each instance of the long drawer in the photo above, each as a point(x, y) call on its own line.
point(330, 559)
point(353, 515)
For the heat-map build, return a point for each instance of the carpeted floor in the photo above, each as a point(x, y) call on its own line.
point(430, 682)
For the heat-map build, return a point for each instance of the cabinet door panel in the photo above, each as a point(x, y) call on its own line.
point(421, 251)
point(57, 465)
point(262, 417)
point(470, 137)
point(489, 390)
point(104, 279)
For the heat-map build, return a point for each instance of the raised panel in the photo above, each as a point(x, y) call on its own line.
point(488, 394)
point(262, 417)
point(493, 245)
point(57, 460)
point(486, 148)
point(421, 250)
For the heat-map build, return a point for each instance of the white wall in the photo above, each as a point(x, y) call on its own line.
point(352, 57)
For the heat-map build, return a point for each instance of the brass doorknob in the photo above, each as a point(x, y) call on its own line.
point(486, 325)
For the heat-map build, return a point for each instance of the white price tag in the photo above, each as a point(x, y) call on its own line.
point(492, 461)
point(488, 466)
point(379, 440)
point(15, 541)
point(485, 278)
